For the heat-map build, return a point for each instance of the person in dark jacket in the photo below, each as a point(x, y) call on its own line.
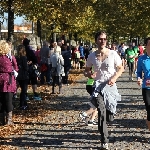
point(8, 67)
point(32, 64)
point(86, 52)
point(23, 75)
point(67, 63)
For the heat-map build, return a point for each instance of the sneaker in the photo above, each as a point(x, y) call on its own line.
point(37, 98)
point(130, 79)
point(83, 117)
point(92, 123)
point(104, 146)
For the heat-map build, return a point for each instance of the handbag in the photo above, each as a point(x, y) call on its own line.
point(43, 68)
point(33, 71)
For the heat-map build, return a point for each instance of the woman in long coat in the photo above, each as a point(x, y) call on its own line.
point(8, 68)
point(57, 64)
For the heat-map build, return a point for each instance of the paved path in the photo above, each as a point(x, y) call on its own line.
point(62, 129)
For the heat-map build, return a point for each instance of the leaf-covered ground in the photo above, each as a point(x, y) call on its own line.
point(54, 123)
point(36, 112)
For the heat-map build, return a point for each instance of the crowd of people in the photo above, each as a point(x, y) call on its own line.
point(51, 63)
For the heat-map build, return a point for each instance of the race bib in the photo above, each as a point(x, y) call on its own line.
point(148, 82)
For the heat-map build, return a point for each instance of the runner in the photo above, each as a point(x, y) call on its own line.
point(143, 68)
point(136, 51)
point(122, 54)
point(130, 56)
point(105, 74)
point(92, 112)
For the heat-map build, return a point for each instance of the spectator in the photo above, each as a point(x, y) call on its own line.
point(45, 66)
point(8, 67)
point(77, 56)
point(37, 54)
point(67, 63)
point(57, 70)
point(23, 75)
point(81, 49)
point(32, 66)
point(86, 52)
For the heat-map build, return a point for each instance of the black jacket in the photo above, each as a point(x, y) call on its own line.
point(67, 58)
point(23, 68)
point(30, 54)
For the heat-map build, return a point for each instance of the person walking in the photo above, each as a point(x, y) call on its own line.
point(107, 68)
point(23, 75)
point(143, 78)
point(8, 69)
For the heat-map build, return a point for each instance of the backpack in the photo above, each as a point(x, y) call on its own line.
point(77, 54)
point(54, 69)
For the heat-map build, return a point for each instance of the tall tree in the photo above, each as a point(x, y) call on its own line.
point(10, 20)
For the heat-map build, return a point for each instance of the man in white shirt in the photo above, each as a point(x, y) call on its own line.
point(108, 67)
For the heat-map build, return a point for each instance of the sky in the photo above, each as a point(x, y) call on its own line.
point(18, 20)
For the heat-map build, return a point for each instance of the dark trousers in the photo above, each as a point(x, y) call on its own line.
point(6, 101)
point(57, 80)
point(146, 98)
point(65, 78)
point(104, 116)
point(23, 85)
point(131, 66)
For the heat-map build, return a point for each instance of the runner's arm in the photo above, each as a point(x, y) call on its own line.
point(139, 68)
point(119, 72)
point(87, 71)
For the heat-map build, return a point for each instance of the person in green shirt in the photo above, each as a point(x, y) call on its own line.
point(92, 112)
point(130, 56)
point(136, 50)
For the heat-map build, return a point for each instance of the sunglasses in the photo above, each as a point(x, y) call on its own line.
point(103, 39)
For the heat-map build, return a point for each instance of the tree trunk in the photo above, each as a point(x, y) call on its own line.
point(39, 31)
point(10, 20)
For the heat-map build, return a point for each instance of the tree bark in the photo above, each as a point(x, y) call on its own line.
point(10, 20)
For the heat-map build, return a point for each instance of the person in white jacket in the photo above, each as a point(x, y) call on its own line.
point(57, 70)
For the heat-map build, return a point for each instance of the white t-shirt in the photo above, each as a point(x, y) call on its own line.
point(106, 69)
